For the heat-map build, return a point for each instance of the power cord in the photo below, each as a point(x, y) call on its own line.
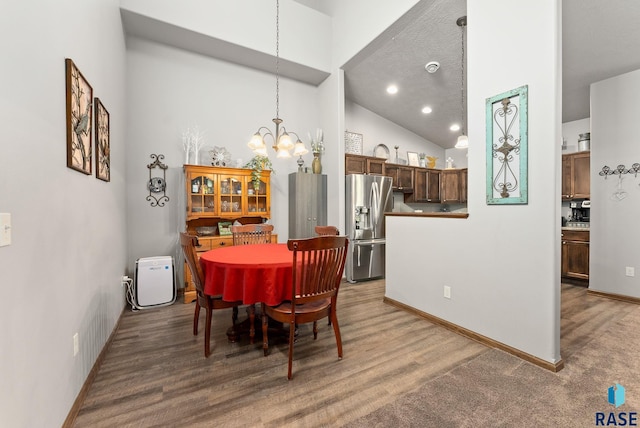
point(130, 292)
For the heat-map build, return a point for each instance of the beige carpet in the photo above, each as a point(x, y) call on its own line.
point(497, 389)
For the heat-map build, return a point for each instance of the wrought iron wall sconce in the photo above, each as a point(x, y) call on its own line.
point(157, 184)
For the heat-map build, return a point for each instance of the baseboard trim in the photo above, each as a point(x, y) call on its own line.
point(82, 395)
point(554, 367)
point(614, 296)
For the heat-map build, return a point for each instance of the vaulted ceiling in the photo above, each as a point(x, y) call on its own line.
point(600, 40)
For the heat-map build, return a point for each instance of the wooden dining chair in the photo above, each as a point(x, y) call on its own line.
point(208, 302)
point(326, 230)
point(252, 234)
point(248, 234)
point(318, 264)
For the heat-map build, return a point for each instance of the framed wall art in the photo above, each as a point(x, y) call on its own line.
point(507, 147)
point(353, 143)
point(79, 119)
point(413, 158)
point(103, 146)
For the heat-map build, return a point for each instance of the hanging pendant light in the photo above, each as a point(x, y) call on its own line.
point(463, 140)
point(282, 142)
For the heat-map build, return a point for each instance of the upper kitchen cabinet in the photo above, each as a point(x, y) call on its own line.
point(575, 176)
point(357, 164)
point(454, 186)
point(402, 177)
point(426, 186)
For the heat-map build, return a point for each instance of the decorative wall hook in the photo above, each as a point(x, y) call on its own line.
point(635, 168)
point(157, 184)
point(606, 171)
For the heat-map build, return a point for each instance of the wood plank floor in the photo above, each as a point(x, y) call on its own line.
point(155, 373)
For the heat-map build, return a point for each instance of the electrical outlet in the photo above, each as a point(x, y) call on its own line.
point(76, 344)
point(630, 271)
point(447, 292)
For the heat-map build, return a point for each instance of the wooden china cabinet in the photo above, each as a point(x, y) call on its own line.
point(220, 194)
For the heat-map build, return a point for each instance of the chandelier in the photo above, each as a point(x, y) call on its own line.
point(463, 140)
point(282, 142)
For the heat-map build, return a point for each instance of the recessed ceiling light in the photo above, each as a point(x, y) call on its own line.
point(426, 110)
point(392, 89)
point(455, 127)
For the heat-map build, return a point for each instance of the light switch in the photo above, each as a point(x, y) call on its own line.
point(5, 229)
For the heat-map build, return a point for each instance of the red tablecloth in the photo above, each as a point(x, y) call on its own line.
point(251, 273)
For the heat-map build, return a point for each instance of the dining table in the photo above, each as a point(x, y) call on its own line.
point(249, 273)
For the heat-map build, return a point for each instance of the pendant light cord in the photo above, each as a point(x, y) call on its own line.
point(464, 115)
point(277, 58)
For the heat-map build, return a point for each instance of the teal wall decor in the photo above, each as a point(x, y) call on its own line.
point(507, 147)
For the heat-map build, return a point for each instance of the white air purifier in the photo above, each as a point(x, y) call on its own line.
point(154, 282)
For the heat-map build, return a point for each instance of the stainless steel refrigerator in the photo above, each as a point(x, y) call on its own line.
point(368, 197)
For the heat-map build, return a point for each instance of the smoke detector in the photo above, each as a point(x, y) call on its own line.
point(432, 66)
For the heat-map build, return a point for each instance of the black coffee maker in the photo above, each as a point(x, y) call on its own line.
point(580, 211)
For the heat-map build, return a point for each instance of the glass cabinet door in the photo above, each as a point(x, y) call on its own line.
point(231, 191)
point(257, 197)
point(202, 194)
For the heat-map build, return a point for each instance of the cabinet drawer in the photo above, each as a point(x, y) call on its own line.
point(575, 235)
point(205, 244)
point(218, 242)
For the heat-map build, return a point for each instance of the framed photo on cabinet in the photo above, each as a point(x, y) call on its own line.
point(507, 147)
point(413, 158)
point(79, 102)
point(103, 146)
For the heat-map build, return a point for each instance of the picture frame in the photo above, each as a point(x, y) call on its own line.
point(103, 145)
point(353, 143)
point(507, 147)
point(79, 103)
point(413, 158)
point(224, 227)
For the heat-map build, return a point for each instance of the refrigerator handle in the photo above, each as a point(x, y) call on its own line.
point(375, 205)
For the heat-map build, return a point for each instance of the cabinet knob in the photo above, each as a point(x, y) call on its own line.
point(564, 242)
point(222, 244)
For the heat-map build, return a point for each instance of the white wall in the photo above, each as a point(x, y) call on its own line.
point(614, 221)
point(61, 274)
point(356, 23)
point(170, 90)
point(502, 263)
point(377, 130)
point(305, 35)
point(571, 132)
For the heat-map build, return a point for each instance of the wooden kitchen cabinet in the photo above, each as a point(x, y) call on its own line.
point(463, 184)
point(452, 186)
point(575, 254)
point(576, 176)
point(355, 164)
point(402, 177)
point(358, 164)
point(426, 186)
point(215, 194)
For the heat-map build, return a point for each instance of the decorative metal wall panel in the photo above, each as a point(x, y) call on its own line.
point(507, 147)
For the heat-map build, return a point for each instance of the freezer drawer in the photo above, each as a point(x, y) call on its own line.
point(365, 261)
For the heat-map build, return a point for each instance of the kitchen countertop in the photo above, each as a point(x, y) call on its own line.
point(586, 229)
point(432, 214)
